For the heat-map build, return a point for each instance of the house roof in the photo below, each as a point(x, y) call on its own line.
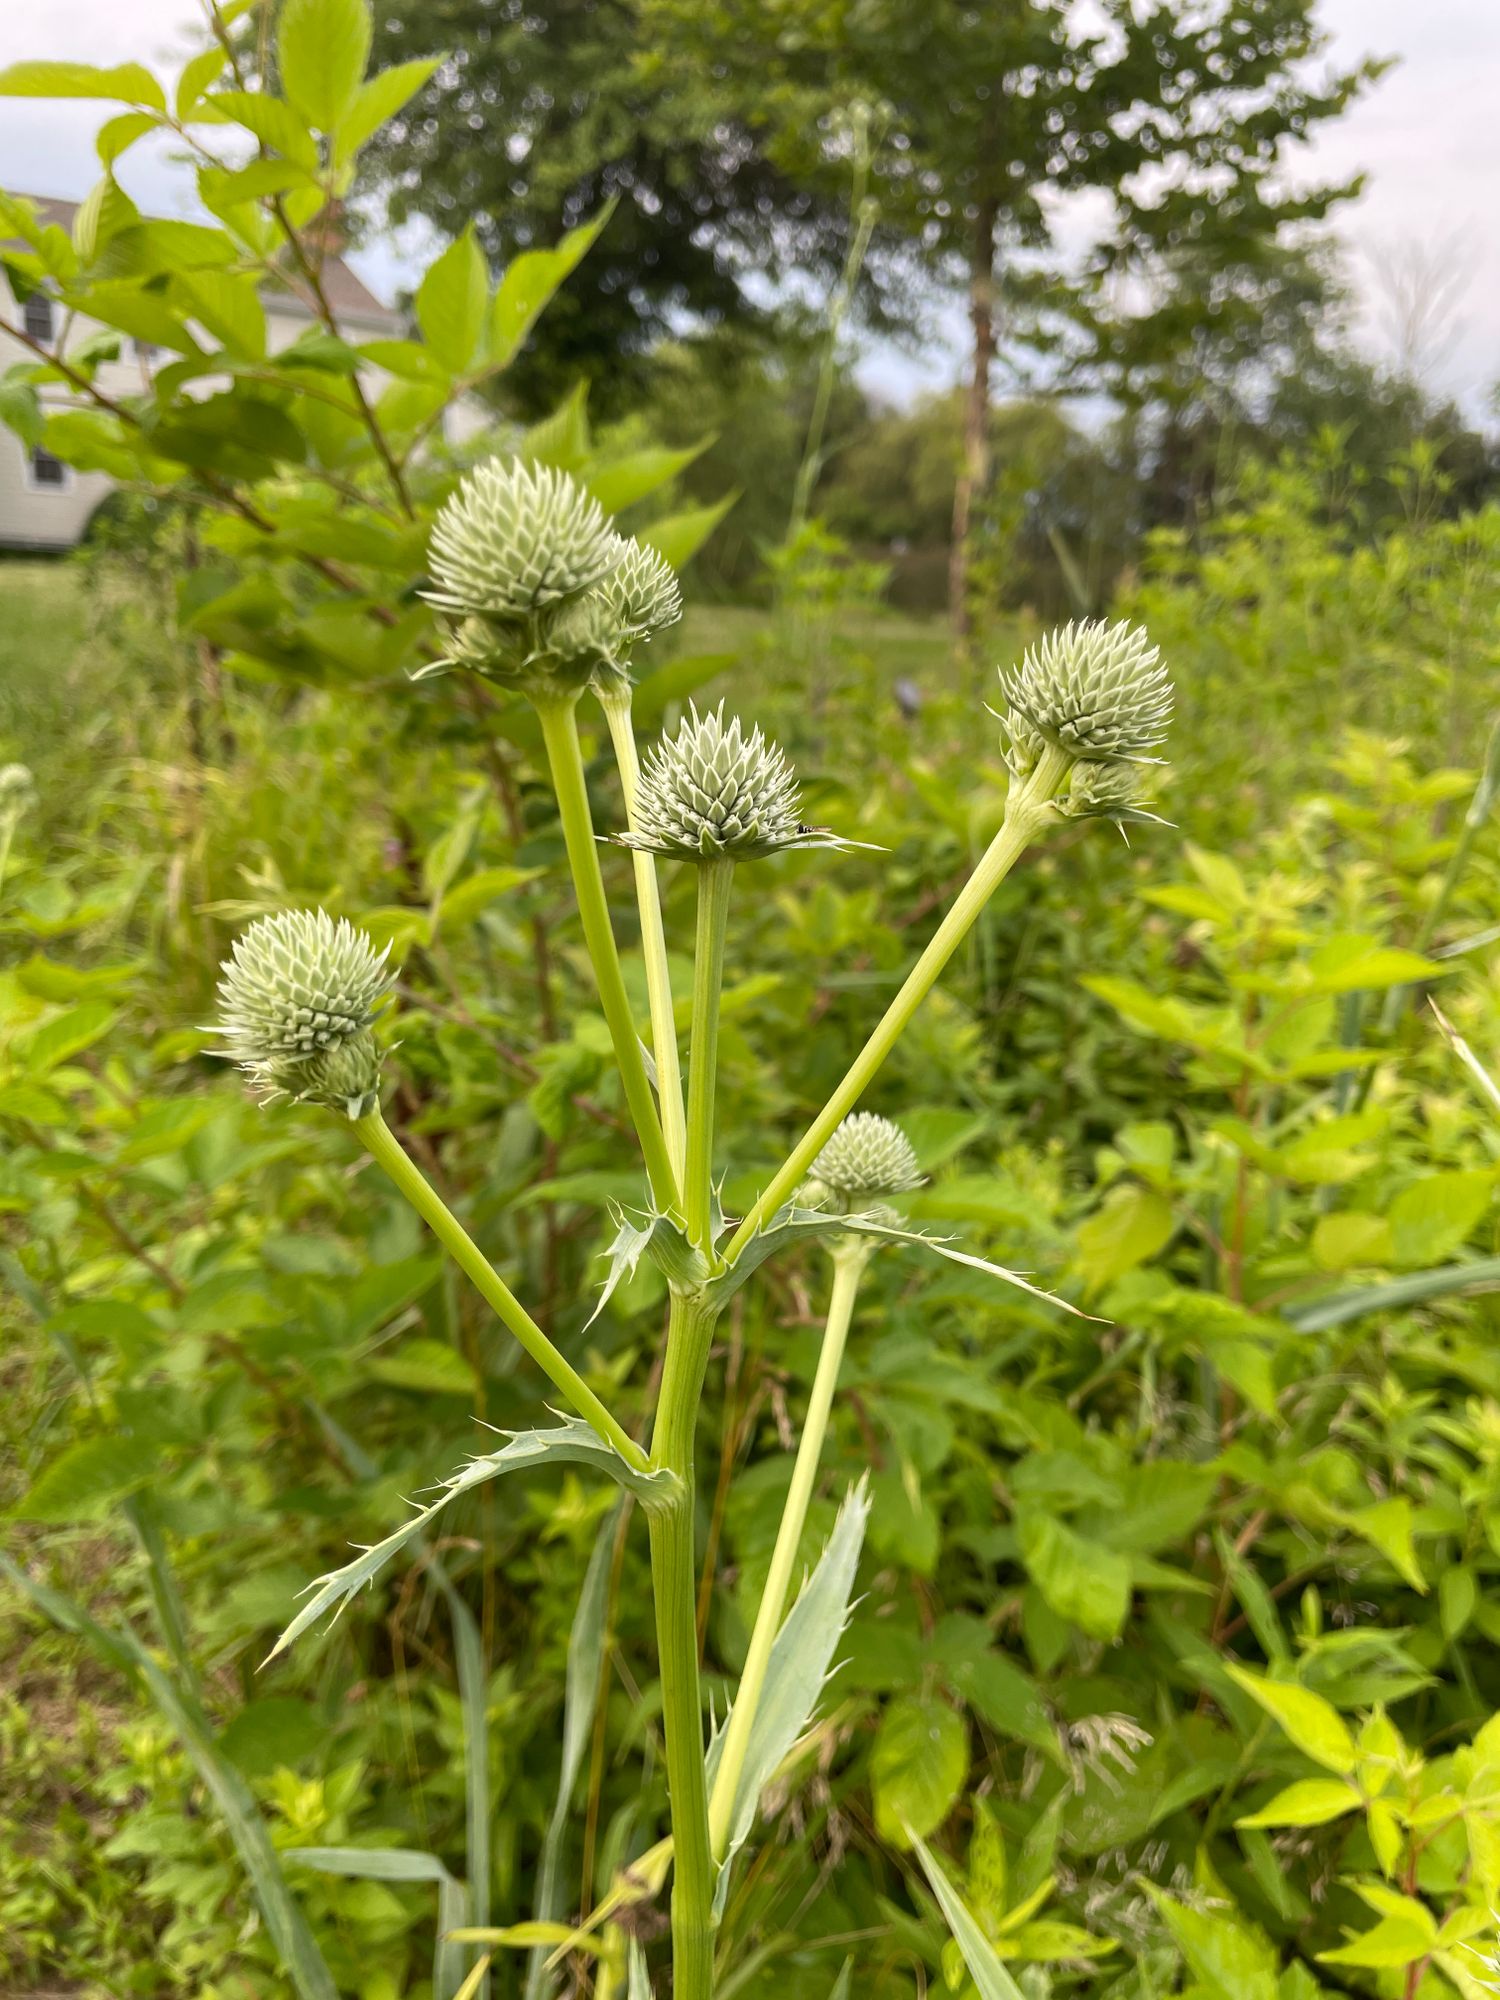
point(347, 293)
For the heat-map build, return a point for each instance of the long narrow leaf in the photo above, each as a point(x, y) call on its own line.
point(586, 1644)
point(573, 1442)
point(985, 1969)
point(801, 1656)
point(1443, 1282)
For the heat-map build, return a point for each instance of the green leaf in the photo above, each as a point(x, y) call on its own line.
point(126, 83)
point(75, 1486)
point(67, 1035)
point(1433, 1217)
point(529, 282)
point(1447, 1281)
point(1083, 1581)
point(1229, 1959)
point(918, 1765)
point(620, 485)
point(323, 47)
point(425, 1364)
point(797, 1671)
point(680, 536)
point(276, 1733)
point(1310, 1802)
point(21, 412)
point(147, 249)
point(1355, 966)
point(117, 135)
point(1313, 1724)
point(229, 305)
point(379, 100)
point(988, 1974)
point(451, 302)
point(1388, 1525)
point(372, 1864)
point(271, 120)
point(198, 72)
point(572, 1443)
point(1134, 1223)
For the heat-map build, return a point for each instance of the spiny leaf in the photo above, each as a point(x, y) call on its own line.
point(573, 1442)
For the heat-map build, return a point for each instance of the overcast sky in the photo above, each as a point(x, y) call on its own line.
point(1428, 138)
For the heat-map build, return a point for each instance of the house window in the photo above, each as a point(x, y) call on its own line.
point(46, 474)
point(37, 317)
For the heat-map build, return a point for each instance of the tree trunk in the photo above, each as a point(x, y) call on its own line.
point(974, 468)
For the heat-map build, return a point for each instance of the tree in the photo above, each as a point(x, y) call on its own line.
point(538, 117)
point(997, 114)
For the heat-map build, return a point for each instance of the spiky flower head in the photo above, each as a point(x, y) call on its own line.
point(296, 1004)
point(516, 539)
point(1109, 791)
point(643, 592)
point(1094, 689)
point(868, 1157)
point(713, 791)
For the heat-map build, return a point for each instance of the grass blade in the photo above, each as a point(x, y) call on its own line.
point(1442, 1282)
point(979, 1955)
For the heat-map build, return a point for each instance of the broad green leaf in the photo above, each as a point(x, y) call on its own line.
point(1083, 1581)
point(379, 100)
point(918, 1764)
point(117, 135)
point(21, 411)
point(990, 1977)
point(1388, 1525)
point(529, 282)
point(572, 1443)
point(228, 304)
point(198, 72)
point(1394, 1942)
point(1356, 966)
point(271, 120)
point(1133, 1224)
point(86, 1476)
point(147, 249)
point(1310, 1802)
point(620, 485)
point(1231, 1961)
point(372, 1864)
point(425, 1364)
point(323, 47)
point(680, 536)
point(126, 83)
point(451, 301)
point(1344, 1242)
point(1433, 1217)
point(1313, 1724)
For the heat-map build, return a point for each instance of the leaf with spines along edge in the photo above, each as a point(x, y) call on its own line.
point(669, 1250)
point(796, 1674)
point(574, 1442)
point(793, 1225)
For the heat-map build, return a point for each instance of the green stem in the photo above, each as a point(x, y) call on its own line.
point(560, 734)
point(674, 1586)
point(714, 882)
point(848, 1265)
point(1026, 812)
point(653, 940)
point(471, 1260)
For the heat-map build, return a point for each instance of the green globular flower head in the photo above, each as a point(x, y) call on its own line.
point(516, 540)
point(17, 790)
point(714, 792)
point(1095, 690)
point(867, 1158)
point(642, 592)
point(296, 1004)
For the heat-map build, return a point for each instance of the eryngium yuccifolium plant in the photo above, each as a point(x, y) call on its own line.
point(296, 1005)
point(1108, 791)
point(867, 1159)
point(1095, 690)
point(713, 792)
point(17, 790)
point(643, 592)
point(516, 539)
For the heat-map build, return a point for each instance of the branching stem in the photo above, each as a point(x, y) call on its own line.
point(471, 1260)
point(559, 720)
point(1026, 812)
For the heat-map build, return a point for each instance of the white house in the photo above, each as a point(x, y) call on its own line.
point(46, 505)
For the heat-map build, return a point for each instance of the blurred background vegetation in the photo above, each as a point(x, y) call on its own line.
point(1192, 1082)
